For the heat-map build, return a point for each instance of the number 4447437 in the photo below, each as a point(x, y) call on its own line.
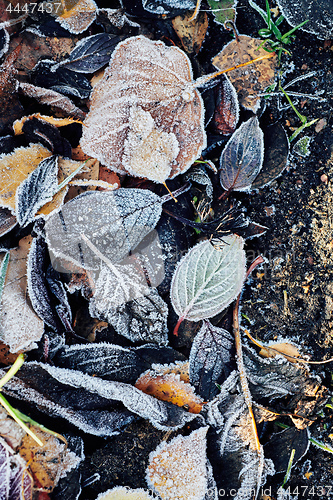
point(306, 492)
point(45, 7)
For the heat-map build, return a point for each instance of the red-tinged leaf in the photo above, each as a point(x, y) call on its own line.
point(242, 157)
point(226, 113)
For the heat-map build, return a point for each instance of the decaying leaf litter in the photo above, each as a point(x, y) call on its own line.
point(109, 269)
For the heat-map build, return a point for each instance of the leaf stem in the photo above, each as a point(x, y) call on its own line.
point(180, 320)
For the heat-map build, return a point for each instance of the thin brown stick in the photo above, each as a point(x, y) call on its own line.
point(195, 12)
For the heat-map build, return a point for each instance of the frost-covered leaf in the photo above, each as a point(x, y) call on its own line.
point(47, 134)
point(20, 327)
point(36, 190)
point(113, 222)
point(208, 279)
point(252, 79)
point(169, 387)
point(10, 106)
point(151, 128)
point(226, 113)
point(165, 7)
point(10, 430)
point(143, 319)
point(223, 10)
point(242, 157)
point(276, 377)
point(124, 493)
point(76, 16)
point(191, 32)
point(49, 462)
point(64, 391)
point(276, 145)
point(57, 122)
point(177, 470)
point(7, 221)
point(15, 168)
point(301, 147)
point(92, 53)
point(210, 359)
point(114, 362)
point(15, 481)
point(318, 13)
point(40, 291)
point(199, 175)
point(49, 75)
point(52, 98)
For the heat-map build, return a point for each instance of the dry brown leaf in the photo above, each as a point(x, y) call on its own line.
point(79, 155)
point(76, 16)
point(7, 221)
point(191, 33)
point(177, 470)
point(6, 357)
point(146, 118)
point(106, 175)
point(20, 327)
point(169, 387)
point(89, 172)
point(284, 348)
point(15, 167)
point(250, 80)
point(11, 431)
point(52, 98)
point(49, 462)
point(57, 122)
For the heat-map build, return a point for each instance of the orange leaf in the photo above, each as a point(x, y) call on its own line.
point(169, 387)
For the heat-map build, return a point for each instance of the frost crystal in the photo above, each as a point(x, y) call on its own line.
point(177, 470)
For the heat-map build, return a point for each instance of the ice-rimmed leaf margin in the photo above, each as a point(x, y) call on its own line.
point(208, 278)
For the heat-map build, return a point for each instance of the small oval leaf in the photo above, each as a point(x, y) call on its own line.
point(242, 157)
point(208, 279)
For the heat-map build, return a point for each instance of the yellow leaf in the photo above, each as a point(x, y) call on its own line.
point(284, 348)
point(191, 33)
point(76, 16)
point(57, 122)
point(15, 167)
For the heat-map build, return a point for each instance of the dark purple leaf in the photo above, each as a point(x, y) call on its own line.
point(280, 445)
point(7, 221)
point(92, 53)
point(242, 157)
point(37, 130)
point(210, 359)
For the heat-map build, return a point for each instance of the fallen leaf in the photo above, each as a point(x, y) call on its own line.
point(210, 360)
point(15, 480)
point(76, 16)
point(208, 279)
point(15, 167)
point(169, 387)
point(318, 13)
point(242, 157)
point(253, 79)
point(167, 7)
point(49, 462)
point(20, 327)
point(52, 98)
point(92, 53)
point(57, 122)
point(7, 220)
point(124, 493)
point(10, 430)
point(191, 33)
point(226, 114)
point(177, 470)
point(223, 10)
point(154, 128)
point(279, 447)
point(289, 351)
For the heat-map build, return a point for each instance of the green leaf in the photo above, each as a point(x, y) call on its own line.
point(223, 10)
point(208, 279)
